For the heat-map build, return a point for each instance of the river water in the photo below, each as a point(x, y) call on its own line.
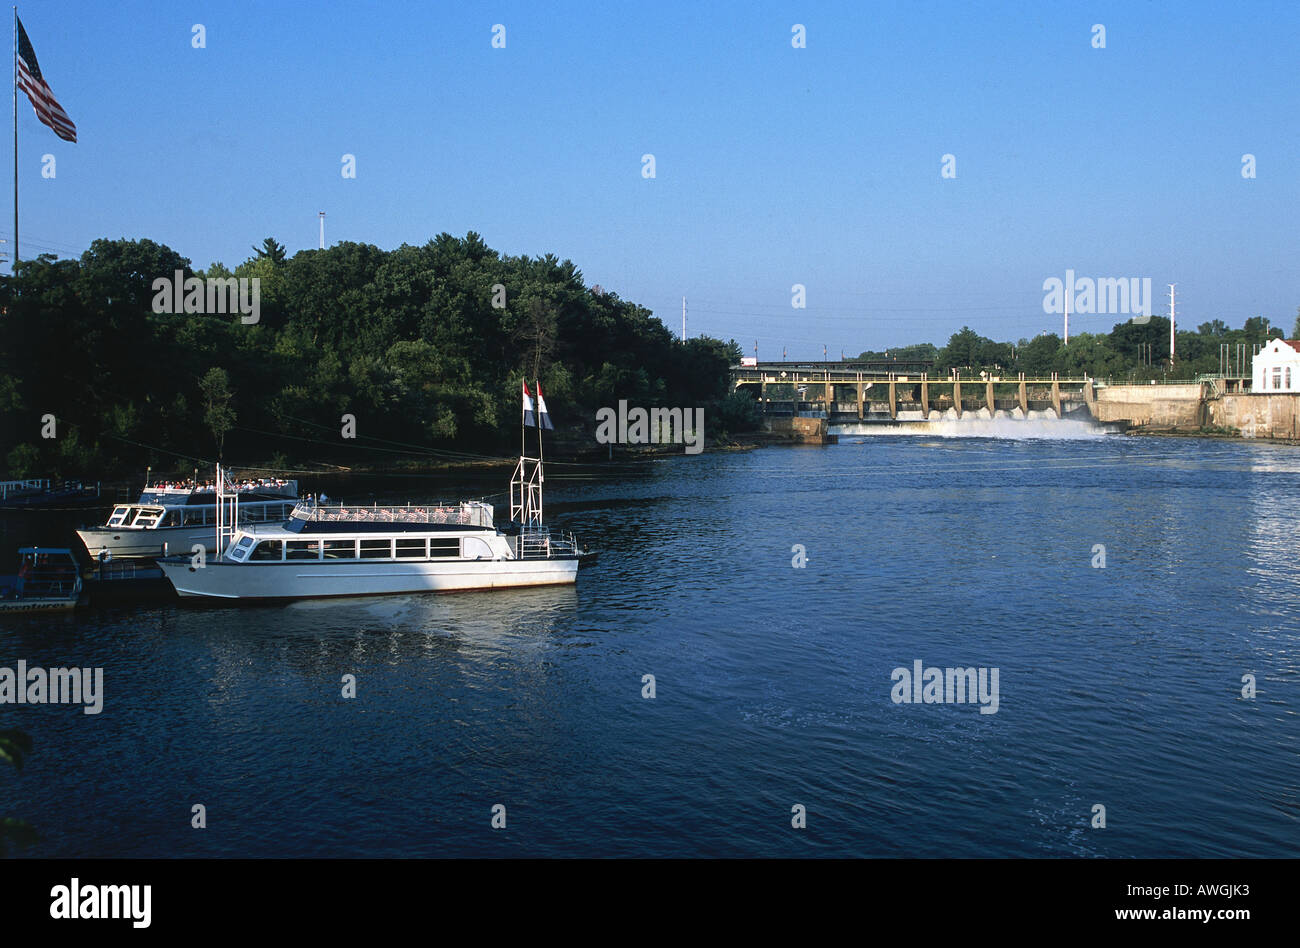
point(1118, 685)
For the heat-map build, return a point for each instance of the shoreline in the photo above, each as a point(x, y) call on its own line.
point(600, 457)
point(1206, 434)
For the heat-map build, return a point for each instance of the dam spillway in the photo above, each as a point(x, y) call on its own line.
point(1076, 426)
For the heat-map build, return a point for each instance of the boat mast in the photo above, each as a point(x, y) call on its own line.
point(537, 417)
point(227, 519)
point(526, 508)
point(220, 504)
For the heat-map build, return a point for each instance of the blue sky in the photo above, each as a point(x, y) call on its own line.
point(774, 165)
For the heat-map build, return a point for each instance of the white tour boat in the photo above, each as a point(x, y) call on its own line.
point(175, 517)
point(324, 551)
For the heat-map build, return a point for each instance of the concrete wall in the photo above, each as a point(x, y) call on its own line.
point(1258, 414)
point(805, 430)
point(1155, 406)
point(1192, 406)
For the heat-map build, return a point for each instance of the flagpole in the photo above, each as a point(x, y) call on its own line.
point(537, 416)
point(15, 263)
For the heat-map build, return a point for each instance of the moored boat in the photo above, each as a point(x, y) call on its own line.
point(41, 494)
point(48, 580)
point(174, 517)
point(328, 551)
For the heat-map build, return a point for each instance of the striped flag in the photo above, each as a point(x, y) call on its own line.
point(543, 419)
point(30, 81)
point(529, 420)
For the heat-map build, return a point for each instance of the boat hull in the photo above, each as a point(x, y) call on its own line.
point(321, 580)
point(139, 542)
point(10, 606)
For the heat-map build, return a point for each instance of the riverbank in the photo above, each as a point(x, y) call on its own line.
point(1208, 434)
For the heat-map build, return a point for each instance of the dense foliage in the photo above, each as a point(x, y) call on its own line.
point(1129, 352)
point(408, 342)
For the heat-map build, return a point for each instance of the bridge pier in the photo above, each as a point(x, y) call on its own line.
point(859, 398)
point(1056, 395)
point(893, 400)
point(988, 395)
point(956, 395)
point(925, 398)
point(1024, 397)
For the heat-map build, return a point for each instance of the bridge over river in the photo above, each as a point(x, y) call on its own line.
point(852, 394)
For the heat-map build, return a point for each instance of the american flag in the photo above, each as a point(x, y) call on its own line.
point(30, 81)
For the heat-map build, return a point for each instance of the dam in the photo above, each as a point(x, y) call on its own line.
point(852, 400)
point(817, 401)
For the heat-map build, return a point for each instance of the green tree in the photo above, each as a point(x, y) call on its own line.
point(1040, 356)
point(271, 250)
point(218, 414)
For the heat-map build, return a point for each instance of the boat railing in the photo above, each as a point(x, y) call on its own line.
point(538, 542)
point(470, 514)
point(59, 580)
point(16, 487)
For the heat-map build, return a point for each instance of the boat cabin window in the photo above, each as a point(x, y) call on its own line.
point(476, 548)
point(147, 517)
point(444, 547)
point(340, 549)
point(244, 543)
point(267, 550)
point(118, 517)
point(376, 549)
point(172, 519)
point(193, 515)
point(411, 549)
point(302, 550)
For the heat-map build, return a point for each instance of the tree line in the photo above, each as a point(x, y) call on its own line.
point(423, 348)
point(1131, 351)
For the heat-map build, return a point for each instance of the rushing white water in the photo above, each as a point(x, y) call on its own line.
point(979, 424)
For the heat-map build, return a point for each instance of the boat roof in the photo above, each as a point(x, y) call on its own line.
point(184, 497)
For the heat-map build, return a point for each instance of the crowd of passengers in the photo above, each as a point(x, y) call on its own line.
point(248, 484)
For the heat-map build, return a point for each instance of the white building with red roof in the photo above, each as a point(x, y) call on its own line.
point(1277, 367)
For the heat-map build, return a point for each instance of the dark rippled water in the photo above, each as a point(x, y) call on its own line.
point(1118, 686)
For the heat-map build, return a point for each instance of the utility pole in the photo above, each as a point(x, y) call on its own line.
point(1067, 315)
point(322, 230)
point(1171, 325)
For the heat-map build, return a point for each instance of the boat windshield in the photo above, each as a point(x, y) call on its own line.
point(147, 517)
